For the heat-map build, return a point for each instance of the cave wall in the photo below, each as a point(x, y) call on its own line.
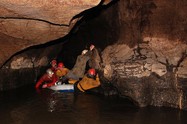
point(27, 66)
point(24, 23)
point(148, 61)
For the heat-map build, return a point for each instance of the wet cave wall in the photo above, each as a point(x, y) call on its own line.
point(142, 49)
point(148, 61)
point(142, 45)
point(27, 66)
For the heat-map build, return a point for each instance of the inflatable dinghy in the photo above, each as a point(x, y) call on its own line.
point(63, 87)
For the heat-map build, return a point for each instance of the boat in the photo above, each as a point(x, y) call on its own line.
point(63, 87)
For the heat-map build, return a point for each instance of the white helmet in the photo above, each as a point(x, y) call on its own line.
point(84, 52)
point(49, 71)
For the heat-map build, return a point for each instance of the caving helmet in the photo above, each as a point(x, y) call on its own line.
point(53, 62)
point(60, 65)
point(91, 72)
point(49, 72)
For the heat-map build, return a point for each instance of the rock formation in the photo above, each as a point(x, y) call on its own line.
point(148, 62)
point(27, 23)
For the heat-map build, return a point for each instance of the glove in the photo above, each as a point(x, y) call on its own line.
point(44, 86)
point(92, 47)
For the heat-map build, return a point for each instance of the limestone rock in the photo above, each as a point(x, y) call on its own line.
point(25, 23)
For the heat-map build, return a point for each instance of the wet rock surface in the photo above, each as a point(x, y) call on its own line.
point(26, 23)
point(151, 77)
point(147, 63)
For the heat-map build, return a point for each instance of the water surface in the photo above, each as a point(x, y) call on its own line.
point(27, 106)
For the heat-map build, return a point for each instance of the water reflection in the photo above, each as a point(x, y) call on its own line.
point(49, 107)
point(57, 101)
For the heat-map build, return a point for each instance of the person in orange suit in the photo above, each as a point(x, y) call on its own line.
point(61, 71)
point(89, 81)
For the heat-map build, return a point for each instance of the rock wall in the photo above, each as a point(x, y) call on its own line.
point(148, 62)
point(25, 23)
point(27, 66)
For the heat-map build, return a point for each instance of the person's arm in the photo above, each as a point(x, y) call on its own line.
point(40, 81)
point(92, 47)
point(97, 81)
point(89, 53)
point(97, 78)
point(54, 80)
point(67, 70)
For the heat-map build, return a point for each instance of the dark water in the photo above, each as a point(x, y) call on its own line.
point(26, 106)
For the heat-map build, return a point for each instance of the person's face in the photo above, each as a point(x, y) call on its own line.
point(50, 75)
point(53, 65)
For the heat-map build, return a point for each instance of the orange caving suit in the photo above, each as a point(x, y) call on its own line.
point(88, 83)
point(61, 72)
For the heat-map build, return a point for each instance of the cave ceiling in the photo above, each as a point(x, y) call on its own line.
point(25, 23)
